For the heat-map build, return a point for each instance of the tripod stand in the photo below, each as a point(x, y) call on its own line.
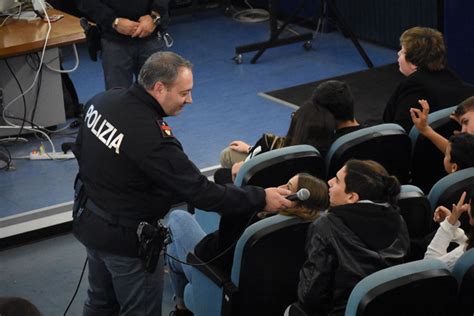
point(275, 31)
point(327, 7)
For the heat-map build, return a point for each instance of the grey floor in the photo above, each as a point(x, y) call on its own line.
point(226, 107)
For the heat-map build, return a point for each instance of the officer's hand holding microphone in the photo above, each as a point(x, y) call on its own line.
point(275, 199)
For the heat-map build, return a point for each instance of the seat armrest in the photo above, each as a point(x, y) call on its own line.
point(216, 274)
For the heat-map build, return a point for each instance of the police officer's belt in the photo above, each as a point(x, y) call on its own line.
point(114, 220)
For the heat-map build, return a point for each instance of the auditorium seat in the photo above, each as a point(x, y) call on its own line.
point(387, 144)
point(463, 271)
point(448, 190)
point(416, 210)
point(264, 275)
point(270, 169)
point(423, 287)
point(427, 160)
point(277, 166)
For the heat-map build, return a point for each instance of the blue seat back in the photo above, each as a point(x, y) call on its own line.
point(203, 297)
point(423, 287)
point(448, 190)
point(270, 169)
point(265, 270)
point(463, 264)
point(387, 144)
point(416, 211)
point(427, 160)
point(277, 166)
point(463, 271)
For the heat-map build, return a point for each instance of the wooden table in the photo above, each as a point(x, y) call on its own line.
point(19, 40)
point(20, 37)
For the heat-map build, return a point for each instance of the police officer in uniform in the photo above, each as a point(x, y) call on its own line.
point(130, 33)
point(132, 169)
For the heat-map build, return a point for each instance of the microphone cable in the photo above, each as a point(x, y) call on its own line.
point(77, 288)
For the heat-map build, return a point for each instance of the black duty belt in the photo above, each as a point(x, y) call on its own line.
point(114, 220)
point(94, 208)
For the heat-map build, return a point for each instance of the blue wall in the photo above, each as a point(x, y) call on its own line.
point(459, 36)
point(379, 21)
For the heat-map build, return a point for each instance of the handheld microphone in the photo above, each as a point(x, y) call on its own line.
point(302, 195)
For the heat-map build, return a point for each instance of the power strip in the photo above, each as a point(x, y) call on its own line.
point(36, 155)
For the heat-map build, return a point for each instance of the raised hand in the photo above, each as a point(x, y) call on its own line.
point(441, 213)
point(420, 117)
point(458, 209)
point(240, 146)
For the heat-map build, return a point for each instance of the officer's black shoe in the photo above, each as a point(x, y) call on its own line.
point(181, 312)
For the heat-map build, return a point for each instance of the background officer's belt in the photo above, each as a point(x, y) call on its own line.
point(125, 222)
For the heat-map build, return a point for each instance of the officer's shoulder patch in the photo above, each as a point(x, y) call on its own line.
point(164, 128)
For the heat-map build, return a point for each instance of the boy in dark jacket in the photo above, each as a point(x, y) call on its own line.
point(362, 232)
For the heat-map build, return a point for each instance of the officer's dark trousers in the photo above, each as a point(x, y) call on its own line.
point(119, 286)
point(122, 61)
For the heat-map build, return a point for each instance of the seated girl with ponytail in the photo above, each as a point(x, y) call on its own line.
point(361, 233)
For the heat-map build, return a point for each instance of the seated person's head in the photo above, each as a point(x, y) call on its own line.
point(336, 97)
point(459, 153)
point(318, 198)
point(311, 125)
point(363, 180)
point(14, 306)
point(465, 115)
point(421, 48)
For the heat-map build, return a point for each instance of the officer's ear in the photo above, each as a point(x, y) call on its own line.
point(159, 87)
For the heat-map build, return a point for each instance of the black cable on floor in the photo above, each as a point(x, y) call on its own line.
point(77, 288)
point(23, 97)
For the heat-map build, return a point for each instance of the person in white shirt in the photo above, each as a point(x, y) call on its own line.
point(449, 231)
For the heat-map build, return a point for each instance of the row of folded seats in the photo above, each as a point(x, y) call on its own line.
point(269, 254)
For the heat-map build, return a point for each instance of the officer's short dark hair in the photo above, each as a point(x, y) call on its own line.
point(161, 66)
point(336, 97)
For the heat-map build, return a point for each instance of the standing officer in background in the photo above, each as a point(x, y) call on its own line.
point(129, 32)
point(132, 169)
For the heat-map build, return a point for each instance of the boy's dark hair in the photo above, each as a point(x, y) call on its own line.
point(462, 150)
point(336, 97)
point(464, 107)
point(371, 181)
